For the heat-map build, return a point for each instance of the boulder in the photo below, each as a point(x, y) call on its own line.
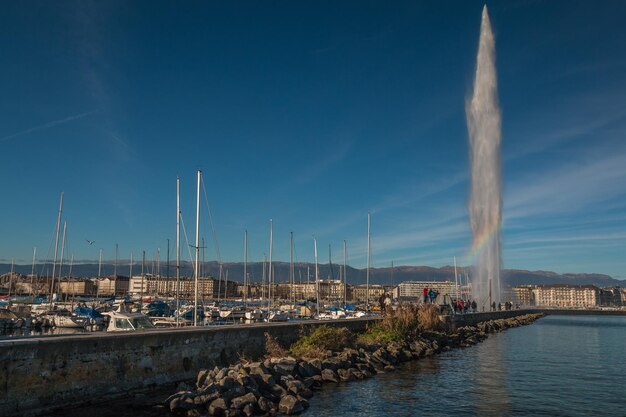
point(345, 375)
point(248, 410)
point(221, 374)
point(206, 397)
point(317, 363)
point(357, 374)
point(242, 401)
point(227, 384)
point(258, 368)
point(295, 386)
point(290, 405)
point(264, 380)
point(278, 391)
point(237, 391)
point(247, 382)
point(329, 364)
point(329, 375)
point(202, 376)
point(303, 401)
point(285, 366)
point(174, 404)
point(312, 381)
point(307, 369)
point(264, 404)
point(218, 407)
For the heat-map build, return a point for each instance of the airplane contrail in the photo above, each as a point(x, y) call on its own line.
point(47, 125)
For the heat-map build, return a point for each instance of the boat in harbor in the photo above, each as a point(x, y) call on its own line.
point(124, 322)
point(65, 318)
point(233, 313)
point(254, 314)
point(275, 314)
point(9, 320)
point(94, 317)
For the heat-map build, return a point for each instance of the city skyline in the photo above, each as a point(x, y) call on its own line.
point(311, 114)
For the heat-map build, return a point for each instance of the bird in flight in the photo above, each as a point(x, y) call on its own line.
point(91, 242)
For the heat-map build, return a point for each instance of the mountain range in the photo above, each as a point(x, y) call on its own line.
point(385, 276)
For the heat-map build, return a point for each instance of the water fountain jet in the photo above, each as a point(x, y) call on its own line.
point(485, 205)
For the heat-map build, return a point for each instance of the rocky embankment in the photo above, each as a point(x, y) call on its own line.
point(285, 384)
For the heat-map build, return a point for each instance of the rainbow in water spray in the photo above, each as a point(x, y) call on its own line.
point(482, 239)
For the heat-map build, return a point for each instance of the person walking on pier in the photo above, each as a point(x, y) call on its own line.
point(381, 303)
point(425, 295)
point(432, 295)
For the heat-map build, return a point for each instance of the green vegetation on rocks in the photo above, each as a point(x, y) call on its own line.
point(322, 339)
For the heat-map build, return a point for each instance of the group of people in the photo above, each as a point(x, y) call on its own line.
point(498, 307)
point(384, 301)
point(430, 295)
point(458, 306)
point(464, 306)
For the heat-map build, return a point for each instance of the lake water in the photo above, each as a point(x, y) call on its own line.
point(558, 366)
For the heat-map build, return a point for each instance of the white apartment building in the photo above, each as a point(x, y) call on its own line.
point(414, 290)
point(564, 295)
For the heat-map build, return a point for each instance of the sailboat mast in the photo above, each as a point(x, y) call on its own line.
point(100, 264)
point(271, 271)
point(11, 276)
point(167, 268)
point(195, 294)
point(61, 261)
point(369, 255)
point(158, 274)
point(219, 286)
point(99, 271)
point(330, 263)
point(291, 277)
point(345, 273)
point(32, 273)
point(56, 246)
point(115, 265)
point(456, 279)
point(143, 277)
point(263, 279)
point(245, 268)
point(317, 285)
point(226, 284)
point(177, 250)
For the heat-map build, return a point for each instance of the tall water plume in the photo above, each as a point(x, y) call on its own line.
point(485, 206)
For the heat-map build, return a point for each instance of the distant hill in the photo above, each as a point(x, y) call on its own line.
point(385, 276)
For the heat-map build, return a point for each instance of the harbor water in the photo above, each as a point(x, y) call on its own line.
point(559, 366)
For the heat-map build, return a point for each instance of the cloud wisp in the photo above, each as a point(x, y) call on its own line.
point(47, 125)
point(569, 188)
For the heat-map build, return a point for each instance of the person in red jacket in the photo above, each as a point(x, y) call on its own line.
point(425, 295)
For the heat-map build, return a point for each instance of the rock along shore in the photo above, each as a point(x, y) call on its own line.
point(285, 384)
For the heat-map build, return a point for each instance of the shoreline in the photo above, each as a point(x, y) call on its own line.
point(284, 384)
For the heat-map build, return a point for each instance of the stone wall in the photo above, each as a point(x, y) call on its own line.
point(472, 319)
point(38, 373)
point(573, 312)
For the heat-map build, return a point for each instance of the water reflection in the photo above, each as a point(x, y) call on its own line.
point(559, 366)
point(490, 386)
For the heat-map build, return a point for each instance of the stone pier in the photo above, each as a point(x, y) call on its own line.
point(41, 373)
point(37, 373)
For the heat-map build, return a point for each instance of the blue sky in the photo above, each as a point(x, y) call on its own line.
point(311, 114)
